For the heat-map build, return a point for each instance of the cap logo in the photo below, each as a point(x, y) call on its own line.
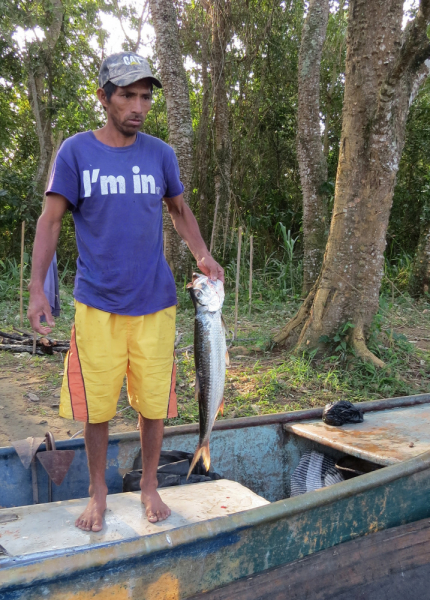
point(131, 60)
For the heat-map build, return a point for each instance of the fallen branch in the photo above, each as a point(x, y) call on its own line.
point(23, 343)
point(12, 336)
point(185, 348)
point(16, 348)
point(22, 331)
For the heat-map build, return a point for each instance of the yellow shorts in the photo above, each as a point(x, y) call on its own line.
point(103, 348)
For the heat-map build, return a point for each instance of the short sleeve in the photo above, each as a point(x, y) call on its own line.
point(174, 185)
point(64, 180)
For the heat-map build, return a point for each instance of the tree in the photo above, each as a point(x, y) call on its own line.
point(409, 229)
point(175, 86)
point(312, 160)
point(420, 276)
point(49, 77)
point(220, 14)
point(384, 70)
point(202, 161)
point(40, 76)
point(262, 83)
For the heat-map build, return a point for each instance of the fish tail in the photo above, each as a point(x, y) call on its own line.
point(202, 451)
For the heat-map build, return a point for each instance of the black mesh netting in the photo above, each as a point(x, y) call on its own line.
point(172, 470)
point(314, 471)
point(342, 412)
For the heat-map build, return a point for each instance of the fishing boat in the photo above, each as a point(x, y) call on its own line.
point(242, 536)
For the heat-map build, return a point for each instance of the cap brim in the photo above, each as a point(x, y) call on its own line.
point(132, 77)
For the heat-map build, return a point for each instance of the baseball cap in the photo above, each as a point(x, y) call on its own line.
point(125, 68)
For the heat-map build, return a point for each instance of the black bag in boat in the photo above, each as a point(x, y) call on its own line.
point(342, 412)
point(172, 470)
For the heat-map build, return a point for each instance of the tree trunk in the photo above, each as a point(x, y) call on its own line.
point(336, 69)
point(203, 139)
point(41, 112)
point(175, 87)
point(220, 19)
point(420, 278)
point(312, 161)
point(39, 65)
point(384, 70)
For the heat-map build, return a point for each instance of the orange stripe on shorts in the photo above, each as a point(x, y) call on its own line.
point(172, 409)
point(78, 396)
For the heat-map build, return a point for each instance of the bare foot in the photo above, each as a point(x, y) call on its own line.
point(92, 517)
point(155, 508)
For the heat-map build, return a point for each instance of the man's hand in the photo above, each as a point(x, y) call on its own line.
point(38, 307)
point(208, 266)
point(45, 242)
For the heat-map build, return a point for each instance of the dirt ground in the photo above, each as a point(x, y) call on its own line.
point(30, 391)
point(29, 398)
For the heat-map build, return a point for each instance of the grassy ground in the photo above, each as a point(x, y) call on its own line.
point(261, 379)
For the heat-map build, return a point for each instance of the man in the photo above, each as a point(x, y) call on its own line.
point(114, 180)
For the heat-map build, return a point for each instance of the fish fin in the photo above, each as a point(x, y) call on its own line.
point(202, 451)
point(227, 359)
point(221, 407)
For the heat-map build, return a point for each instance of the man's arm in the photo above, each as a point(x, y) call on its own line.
point(186, 225)
point(45, 243)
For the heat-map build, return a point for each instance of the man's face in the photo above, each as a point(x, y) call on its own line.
point(128, 106)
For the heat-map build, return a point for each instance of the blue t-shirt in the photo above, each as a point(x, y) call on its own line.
point(116, 199)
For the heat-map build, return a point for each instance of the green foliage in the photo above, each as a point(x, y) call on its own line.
point(10, 278)
point(397, 273)
point(68, 94)
point(278, 276)
point(411, 202)
point(261, 72)
point(339, 342)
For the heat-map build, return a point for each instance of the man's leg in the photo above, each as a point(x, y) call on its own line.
point(96, 443)
point(151, 439)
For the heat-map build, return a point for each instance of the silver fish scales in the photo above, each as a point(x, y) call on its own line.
point(210, 355)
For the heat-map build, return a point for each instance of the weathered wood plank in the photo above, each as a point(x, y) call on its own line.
point(393, 564)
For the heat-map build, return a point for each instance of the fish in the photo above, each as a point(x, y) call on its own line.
point(210, 358)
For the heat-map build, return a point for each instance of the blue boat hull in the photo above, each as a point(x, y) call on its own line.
point(196, 558)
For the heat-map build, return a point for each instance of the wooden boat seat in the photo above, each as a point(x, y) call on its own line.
point(385, 437)
point(50, 527)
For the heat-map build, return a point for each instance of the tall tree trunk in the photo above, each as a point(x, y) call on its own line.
point(174, 80)
point(39, 66)
point(336, 69)
point(203, 139)
point(220, 20)
point(312, 161)
point(41, 112)
point(384, 69)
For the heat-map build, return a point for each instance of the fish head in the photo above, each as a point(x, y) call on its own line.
point(206, 294)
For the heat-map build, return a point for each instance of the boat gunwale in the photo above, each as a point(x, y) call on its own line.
point(20, 572)
point(244, 422)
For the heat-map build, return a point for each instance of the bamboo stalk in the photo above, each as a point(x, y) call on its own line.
point(236, 307)
point(21, 276)
point(251, 255)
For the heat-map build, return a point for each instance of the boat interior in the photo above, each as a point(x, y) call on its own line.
point(255, 457)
